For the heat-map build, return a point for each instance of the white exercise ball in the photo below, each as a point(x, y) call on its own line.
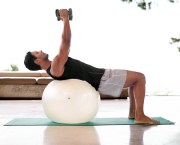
point(70, 101)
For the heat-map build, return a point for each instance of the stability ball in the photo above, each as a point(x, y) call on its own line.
point(70, 101)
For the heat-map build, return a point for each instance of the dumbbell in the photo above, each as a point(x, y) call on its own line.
point(59, 17)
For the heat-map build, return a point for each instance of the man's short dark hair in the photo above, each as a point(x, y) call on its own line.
point(29, 62)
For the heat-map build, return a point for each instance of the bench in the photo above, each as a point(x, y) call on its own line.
point(30, 85)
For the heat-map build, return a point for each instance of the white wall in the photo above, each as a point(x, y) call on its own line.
point(105, 33)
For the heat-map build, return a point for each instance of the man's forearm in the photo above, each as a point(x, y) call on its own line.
point(66, 35)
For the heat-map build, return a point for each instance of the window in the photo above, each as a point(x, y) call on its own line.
point(105, 33)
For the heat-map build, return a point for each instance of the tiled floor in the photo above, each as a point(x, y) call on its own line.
point(164, 106)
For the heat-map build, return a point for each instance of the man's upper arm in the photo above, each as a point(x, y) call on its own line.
point(57, 66)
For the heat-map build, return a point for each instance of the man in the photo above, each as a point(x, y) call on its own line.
point(106, 81)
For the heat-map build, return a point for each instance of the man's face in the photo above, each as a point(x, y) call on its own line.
point(40, 55)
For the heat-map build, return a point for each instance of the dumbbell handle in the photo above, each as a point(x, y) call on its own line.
point(59, 17)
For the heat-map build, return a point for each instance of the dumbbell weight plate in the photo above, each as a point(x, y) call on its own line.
point(57, 15)
point(70, 14)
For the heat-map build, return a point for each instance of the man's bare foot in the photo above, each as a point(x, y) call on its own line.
point(131, 115)
point(146, 120)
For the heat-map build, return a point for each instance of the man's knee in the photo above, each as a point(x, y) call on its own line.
point(141, 77)
point(134, 77)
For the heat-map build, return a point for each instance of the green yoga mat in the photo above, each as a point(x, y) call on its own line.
point(93, 122)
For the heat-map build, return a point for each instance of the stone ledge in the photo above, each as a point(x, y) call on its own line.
point(21, 91)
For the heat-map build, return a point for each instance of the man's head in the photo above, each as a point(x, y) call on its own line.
point(29, 62)
point(34, 59)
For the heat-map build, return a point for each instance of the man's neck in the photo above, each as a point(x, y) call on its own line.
point(46, 65)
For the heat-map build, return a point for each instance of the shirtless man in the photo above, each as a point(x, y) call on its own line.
point(106, 81)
